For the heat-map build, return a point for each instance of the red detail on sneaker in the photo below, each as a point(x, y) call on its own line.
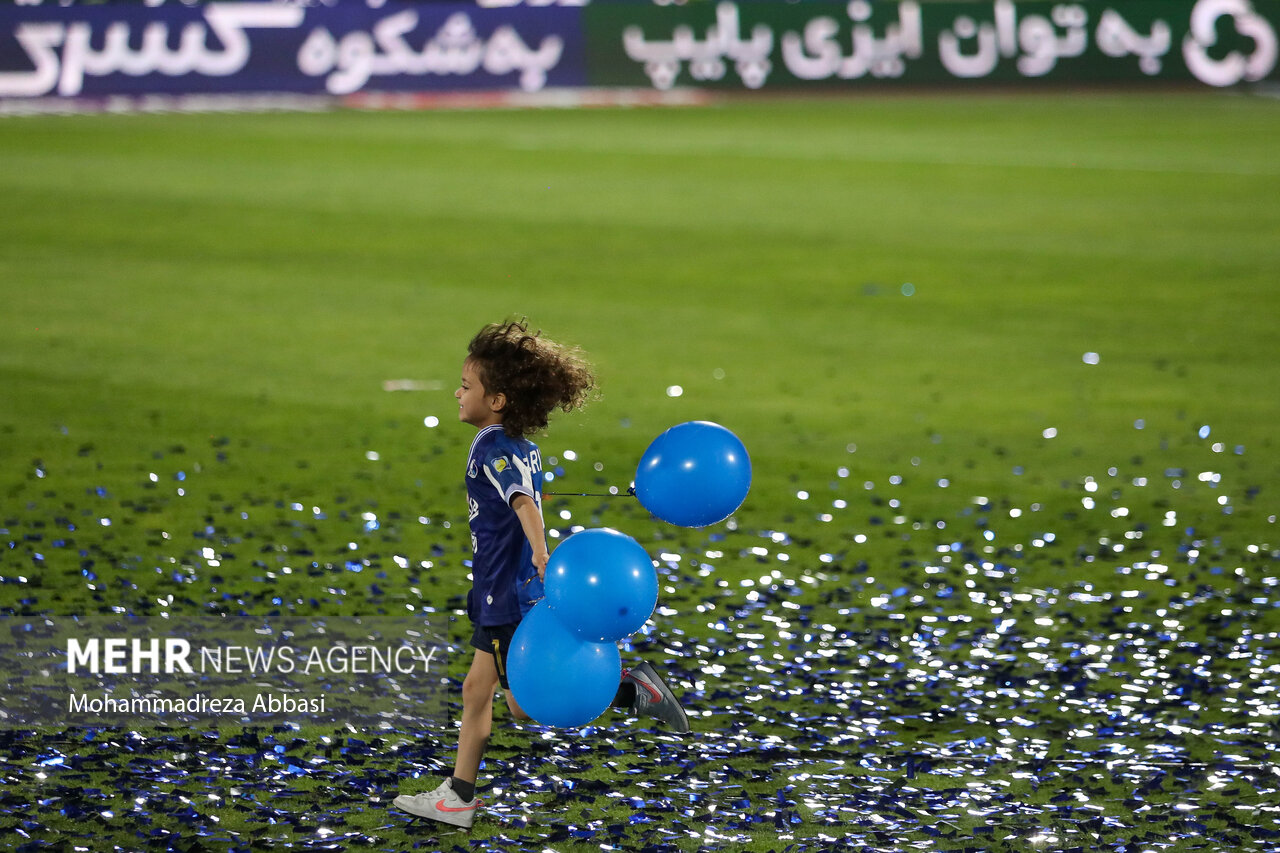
point(653, 693)
point(443, 808)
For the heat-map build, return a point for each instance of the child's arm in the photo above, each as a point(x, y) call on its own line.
point(531, 520)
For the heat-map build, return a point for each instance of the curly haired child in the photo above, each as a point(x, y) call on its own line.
point(512, 380)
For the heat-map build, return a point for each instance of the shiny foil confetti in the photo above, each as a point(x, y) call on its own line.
point(880, 658)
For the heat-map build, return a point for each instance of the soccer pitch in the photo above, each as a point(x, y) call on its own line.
point(1006, 366)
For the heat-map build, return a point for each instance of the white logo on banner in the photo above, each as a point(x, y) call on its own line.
point(1234, 67)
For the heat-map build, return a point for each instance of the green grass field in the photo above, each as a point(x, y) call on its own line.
point(1007, 368)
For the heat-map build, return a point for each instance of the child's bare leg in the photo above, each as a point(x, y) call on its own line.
point(477, 715)
point(514, 707)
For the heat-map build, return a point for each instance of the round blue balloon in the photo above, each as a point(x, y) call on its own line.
point(602, 585)
point(694, 474)
point(557, 678)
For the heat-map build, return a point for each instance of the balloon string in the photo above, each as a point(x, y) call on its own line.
point(629, 493)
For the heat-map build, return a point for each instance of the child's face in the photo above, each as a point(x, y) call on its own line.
point(475, 405)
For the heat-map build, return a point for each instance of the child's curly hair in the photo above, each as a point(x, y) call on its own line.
point(537, 375)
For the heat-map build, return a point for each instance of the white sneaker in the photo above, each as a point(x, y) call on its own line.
point(442, 804)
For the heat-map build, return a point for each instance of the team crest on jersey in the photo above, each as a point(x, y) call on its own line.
point(472, 471)
point(500, 464)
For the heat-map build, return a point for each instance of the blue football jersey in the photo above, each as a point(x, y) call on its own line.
point(505, 583)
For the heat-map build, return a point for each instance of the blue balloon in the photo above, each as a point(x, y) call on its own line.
point(602, 585)
point(694, 474)
point(557, 678)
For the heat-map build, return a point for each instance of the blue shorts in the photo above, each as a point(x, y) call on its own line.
point(496, 640)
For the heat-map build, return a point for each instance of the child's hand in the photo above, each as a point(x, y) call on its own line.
point(531, 520)
point(540, 558)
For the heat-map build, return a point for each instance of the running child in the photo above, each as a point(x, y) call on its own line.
point(512, 380)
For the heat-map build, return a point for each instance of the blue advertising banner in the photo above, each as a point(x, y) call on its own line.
point(246, 47)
